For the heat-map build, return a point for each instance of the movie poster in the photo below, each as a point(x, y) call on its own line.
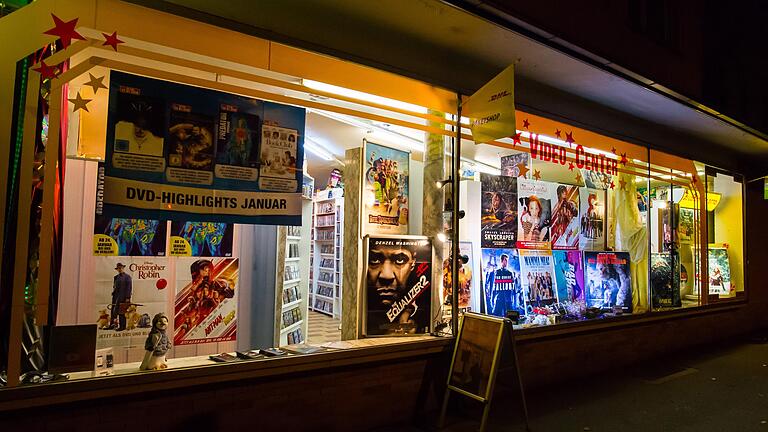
point(499, 218)
point(665, 280)
point(237, 144)
point(464, 274)
point(385, 190)
point(719, 271)
point(201, 239)
point(206, 300)
point(592, 219)
point(569, 275)
point(139, 123)
point(534, 204)
point(278, 158)
point(565, 226)
point(128, 237)
point(129, 291)
point(398, 286)
point(502, 287)
point(609, 283)
point(178, 152)
point(686, 225)
point(190, 146)
point(510, 165)
point(537, 271)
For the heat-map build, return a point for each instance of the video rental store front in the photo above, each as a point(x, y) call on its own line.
point(268, 220)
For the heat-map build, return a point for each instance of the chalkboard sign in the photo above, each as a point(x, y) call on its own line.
point(476, 356)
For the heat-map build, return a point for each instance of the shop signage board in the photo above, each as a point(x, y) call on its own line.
point(477, 357)
point(177, 152)
point(491, 109)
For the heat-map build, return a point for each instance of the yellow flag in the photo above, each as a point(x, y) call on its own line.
point(491, 110)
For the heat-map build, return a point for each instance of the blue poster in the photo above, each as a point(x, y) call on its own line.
point(189, 154)
point(502, 287)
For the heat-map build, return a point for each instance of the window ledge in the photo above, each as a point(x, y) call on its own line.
point(359, 352)
point(565, 329)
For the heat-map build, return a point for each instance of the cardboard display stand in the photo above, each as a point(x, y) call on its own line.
point(476, 361)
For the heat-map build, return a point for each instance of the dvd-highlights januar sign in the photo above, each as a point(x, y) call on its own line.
point(184, 153)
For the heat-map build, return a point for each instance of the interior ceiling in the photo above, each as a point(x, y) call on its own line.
point(438, 43)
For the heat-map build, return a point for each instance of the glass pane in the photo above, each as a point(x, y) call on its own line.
point(725, 234)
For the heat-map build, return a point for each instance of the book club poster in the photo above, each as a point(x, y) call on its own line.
point(175, 152)
point(398, 286)
point(386, 190)
point(138, 282)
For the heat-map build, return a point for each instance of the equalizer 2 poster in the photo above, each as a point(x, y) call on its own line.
point(398, 285)
point(206, 300)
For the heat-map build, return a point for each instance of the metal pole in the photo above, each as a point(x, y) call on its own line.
point(455, 177)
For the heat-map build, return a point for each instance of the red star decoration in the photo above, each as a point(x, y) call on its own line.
point(516, 140)
point(613, 150)
point(569, 138)
point(46, 72)
point(694, 178)
point(537, 175)
point(624, 159)
point(522, 170)
point(622, 184)
point(64, 31)
point(111, 40)
point(526, 123)
point(612, 185)
point(557, 133)
point(570, 166)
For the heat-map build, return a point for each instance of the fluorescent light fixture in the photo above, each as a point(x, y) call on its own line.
point(367, 97)
point(315, 148)
point(376, 131)
point(481, 167)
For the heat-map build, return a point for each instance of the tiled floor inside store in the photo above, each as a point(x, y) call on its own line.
point(322, 329)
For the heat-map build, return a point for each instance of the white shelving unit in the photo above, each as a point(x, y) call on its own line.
point(293, 289)
point(327, 243)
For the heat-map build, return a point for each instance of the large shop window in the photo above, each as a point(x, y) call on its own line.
point(221, 223)
point(566, 225)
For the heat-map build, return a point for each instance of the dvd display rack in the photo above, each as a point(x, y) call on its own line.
point(292, 288)
point(327, 242)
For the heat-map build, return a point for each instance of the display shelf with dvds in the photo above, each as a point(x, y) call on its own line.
point(292, 284)
point(326, 268)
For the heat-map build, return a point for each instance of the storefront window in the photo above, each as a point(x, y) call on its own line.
point(568, 225)
point(725, 234)
point(207, 225)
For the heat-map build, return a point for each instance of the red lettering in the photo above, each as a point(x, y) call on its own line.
point(562, 155)
point(534, 140)
point(579, 155)
point(546, 151)
point(614, 171)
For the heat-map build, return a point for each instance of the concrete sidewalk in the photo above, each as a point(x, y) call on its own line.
point(723, 388)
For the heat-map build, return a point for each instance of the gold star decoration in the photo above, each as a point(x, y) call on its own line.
point(579, 178)
point(79, 103)
point(622, 184)
point(537, 174)
point(522, 170)
point(95, 83)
